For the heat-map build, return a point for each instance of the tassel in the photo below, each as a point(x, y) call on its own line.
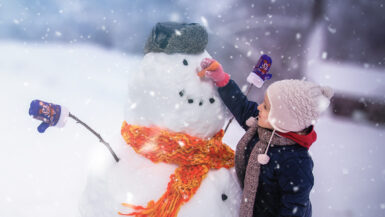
point(264, 158)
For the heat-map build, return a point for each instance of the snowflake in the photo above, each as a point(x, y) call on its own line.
point(178, 33)
point(133, 106)
point(324, 55)
point(181, 143)
point(332, 29)
point(298, 36)
point(204, 21)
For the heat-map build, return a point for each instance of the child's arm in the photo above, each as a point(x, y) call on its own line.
point(237, 102)
point(296, 181)
point(232, 96)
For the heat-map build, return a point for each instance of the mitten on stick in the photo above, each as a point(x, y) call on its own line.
point(260, 72)
point(50, 114)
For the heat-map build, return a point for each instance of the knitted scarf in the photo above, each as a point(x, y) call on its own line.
point(249, 175)
point(194, 157)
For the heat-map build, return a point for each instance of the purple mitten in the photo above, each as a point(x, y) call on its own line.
point(260, 71)
point(49, 113)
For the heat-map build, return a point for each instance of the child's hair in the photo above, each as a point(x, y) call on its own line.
point(296, 105)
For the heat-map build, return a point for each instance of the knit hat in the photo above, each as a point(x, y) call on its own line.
point(296, 104)
point(171, 37)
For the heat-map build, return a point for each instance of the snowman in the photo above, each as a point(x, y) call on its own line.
point(172, 158)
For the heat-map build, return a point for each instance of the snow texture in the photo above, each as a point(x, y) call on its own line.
point(45, 174)
point(160, 83)
point(167, 92)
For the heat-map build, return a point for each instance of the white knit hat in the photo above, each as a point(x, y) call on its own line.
point(296, 104)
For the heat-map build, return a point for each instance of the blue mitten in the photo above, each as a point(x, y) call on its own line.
point(49, 113)
point(260, 71)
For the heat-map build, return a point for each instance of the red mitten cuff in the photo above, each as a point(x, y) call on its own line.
point(223, 82)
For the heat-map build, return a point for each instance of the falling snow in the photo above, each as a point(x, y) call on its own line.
point(348, 152)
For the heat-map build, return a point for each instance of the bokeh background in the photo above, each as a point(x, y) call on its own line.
point(78, 52)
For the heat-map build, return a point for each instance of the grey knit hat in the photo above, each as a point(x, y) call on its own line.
point(296, 104)
point(171, 37)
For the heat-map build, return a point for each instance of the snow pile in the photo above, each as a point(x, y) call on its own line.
point(165, 91)
point(136, 180)
point(45, 175)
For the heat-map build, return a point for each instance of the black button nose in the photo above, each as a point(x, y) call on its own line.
point(224, 197)
point(190, 101)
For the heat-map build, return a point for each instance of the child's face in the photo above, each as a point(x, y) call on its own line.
point(264, 109)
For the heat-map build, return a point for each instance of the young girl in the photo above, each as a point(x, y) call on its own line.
point(272, 161)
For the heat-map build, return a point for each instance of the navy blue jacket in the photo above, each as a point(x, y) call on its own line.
point(286, 181)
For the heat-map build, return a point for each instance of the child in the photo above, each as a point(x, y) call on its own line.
point(279, 129)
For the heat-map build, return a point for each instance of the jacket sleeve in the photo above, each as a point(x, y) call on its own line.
point(296, 181)
point(237, 103)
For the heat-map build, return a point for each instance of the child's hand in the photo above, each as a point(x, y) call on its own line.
point(206, 62)
point(213, 70)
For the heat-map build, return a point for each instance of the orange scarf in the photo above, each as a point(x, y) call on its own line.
point(194, 157)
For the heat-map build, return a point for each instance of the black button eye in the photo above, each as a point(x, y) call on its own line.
point(224, 197)
point(190, 101)
point(212, 100)
point(185, 62)
point(181, 93)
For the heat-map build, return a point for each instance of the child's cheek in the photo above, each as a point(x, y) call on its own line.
point(261, 120)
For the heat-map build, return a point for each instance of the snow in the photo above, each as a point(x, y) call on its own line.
point(45, 174)
point(348, 168)
point(171, 80)
point(350, 79)
point(155, 86)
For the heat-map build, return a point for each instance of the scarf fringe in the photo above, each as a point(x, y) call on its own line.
point(194, 158)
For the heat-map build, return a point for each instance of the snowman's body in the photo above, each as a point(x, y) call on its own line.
point(167, 93)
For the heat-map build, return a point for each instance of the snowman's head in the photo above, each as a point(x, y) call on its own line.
point(167, 92)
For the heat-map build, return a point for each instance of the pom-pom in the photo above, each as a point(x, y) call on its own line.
point(327, 92)
point(252, 121)
point(263, 159)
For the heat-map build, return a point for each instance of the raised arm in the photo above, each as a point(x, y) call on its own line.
point(229, 91)
point(238, 103)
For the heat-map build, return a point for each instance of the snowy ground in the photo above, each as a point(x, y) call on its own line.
point(44, 174)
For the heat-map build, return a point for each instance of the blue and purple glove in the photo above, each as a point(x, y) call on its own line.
point(51, 114)
point(260, 72)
